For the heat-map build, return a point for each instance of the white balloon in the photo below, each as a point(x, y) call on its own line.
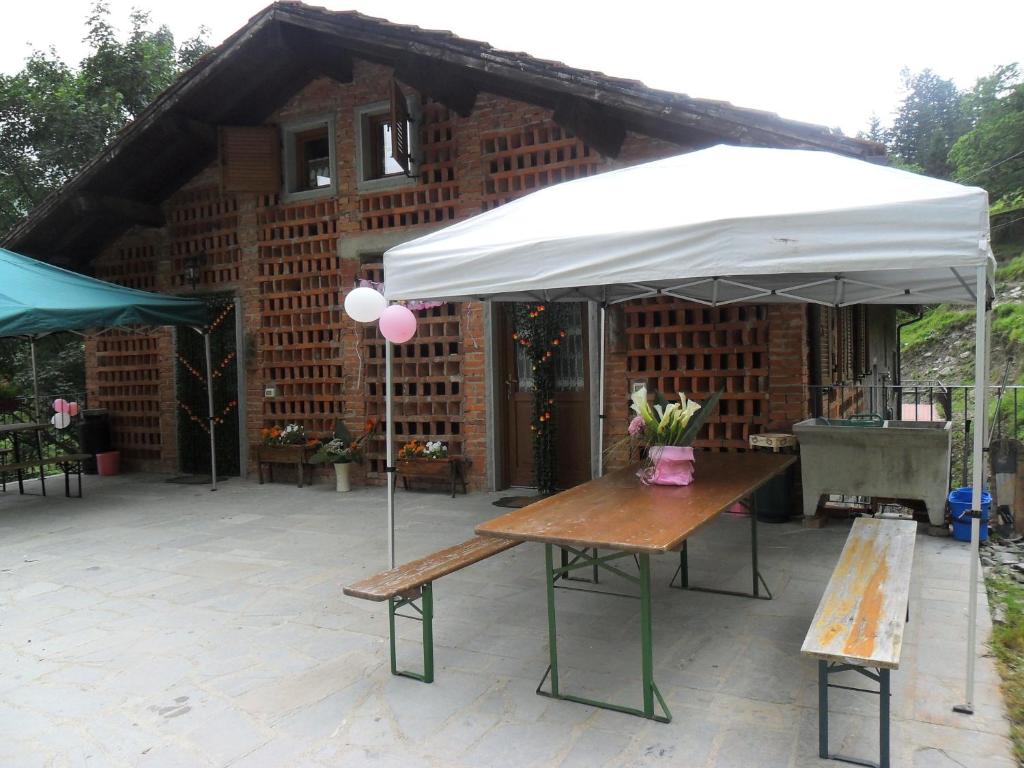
point(60, 420)
point(365, 305)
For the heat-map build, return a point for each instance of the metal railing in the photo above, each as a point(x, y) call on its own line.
point(929, 401)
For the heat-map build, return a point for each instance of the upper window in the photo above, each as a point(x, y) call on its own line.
point(310, 163)
point(381, 149)
point(388, 143)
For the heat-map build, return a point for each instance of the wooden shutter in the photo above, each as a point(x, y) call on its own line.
point(250, 158)
point(399, 127)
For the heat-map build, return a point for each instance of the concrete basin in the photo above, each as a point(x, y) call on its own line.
point(899, 459)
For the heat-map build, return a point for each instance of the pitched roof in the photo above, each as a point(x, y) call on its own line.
point(288, 44)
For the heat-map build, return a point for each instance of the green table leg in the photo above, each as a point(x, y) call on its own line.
point(584, 560)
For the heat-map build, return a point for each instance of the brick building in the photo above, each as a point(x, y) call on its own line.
point(270, 178)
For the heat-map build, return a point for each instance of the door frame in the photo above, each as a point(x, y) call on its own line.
point(497, 404)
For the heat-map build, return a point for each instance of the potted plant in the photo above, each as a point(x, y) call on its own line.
point(668, 430)
point(342, 451)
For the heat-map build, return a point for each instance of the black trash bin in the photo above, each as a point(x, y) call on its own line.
point(94, 436)
point(774, 499)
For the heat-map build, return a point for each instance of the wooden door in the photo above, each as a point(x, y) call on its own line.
point(571, 408)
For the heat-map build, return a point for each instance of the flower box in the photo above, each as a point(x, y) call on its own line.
point(450, 469)
point(297, 455)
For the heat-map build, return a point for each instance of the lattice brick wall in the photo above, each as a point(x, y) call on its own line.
point(124, 369)
point(126, 381)
point(698, 350)
point(300, 312)
point(434, 199)
point(202, 220)
point(428, 381)
point(519, 161)
point(133, 265)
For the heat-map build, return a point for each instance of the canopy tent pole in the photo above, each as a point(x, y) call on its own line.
point(209, 405)
point(389, 450)
point(981, 352)
point(35, 378)
point(600, 393)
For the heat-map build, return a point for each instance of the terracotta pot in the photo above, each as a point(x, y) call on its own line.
point(671, 465)
point(341, 475)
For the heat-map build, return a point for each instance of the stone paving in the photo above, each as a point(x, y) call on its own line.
point(152, 624)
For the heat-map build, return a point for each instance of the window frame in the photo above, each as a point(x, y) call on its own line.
point(365, 117)
point(289, 133)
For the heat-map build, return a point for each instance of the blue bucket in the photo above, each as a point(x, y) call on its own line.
point(959, 510)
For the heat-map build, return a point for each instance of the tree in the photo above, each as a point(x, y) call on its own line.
point(54, 118)
point(929, 120)
point(991, 154)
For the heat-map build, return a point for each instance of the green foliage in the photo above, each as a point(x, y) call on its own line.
point(1008, 323)
point(937, 321)
point(929, 120)
point(60, 362)
point(991, 154)
point(1011, 270)
point(1008, 647)
point(54, 117)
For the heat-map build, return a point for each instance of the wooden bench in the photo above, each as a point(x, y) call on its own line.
point(68, 462)
point(406, 584)
point(860, 621)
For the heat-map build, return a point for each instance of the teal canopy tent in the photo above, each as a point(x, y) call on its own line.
point(37, 299)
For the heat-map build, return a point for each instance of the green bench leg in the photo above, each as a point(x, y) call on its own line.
point(884, 692)
point(425, 609)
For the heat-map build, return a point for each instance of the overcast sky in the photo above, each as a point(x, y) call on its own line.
point(822, 62)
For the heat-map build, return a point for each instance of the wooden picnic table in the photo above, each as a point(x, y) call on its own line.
point(619, 513)
point(14, 431)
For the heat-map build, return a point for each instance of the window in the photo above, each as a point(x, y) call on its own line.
point(310, 163)
point(380, 144)
point(382, 149)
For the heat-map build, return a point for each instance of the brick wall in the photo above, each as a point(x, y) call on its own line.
point(291, 264)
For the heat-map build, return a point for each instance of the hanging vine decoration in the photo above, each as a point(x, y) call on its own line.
point(540, 329)
point(217, 371)
point(228, 309)
point(202, 420)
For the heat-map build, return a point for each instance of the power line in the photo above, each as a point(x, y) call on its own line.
point(994, 165)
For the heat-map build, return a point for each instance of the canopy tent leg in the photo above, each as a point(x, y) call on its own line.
point(600, 392)
point(209, 405)
point(981, 352)
point(35, 379)
point(389, 449)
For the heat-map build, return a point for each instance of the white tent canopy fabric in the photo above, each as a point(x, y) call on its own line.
point(719, 226)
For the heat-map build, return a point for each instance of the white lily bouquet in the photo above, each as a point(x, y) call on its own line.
point(668, 429)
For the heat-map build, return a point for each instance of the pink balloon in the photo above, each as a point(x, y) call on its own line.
point(72, 409)
point(397, 324)
point(60, 405)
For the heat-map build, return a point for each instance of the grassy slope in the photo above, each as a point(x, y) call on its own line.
point(1008, 648)
point(941, 346)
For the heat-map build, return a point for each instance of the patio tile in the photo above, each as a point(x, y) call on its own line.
point(161, 625)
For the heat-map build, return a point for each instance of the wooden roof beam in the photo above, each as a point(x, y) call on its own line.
point(592, 124)
point(446, 85)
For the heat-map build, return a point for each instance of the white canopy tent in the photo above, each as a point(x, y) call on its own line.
point(721, 226)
